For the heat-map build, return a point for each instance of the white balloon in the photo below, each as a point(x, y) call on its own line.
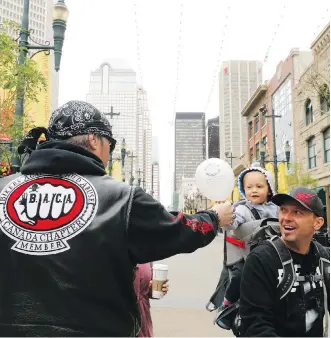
point(215, 179)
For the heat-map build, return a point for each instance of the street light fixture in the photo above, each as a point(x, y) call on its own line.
point(122, 159)
point(273, 116)
point(123, 152)
point(287, 152)
point(60, 17)
point(275, 162)
point(228, 154)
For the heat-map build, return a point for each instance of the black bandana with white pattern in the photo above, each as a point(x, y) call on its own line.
point(79, 118)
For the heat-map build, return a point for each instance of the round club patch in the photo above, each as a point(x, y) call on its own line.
point(41, 212)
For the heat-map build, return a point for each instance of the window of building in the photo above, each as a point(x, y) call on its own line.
point(312, 153)
point(325, 98)
point(326, 138)
point(309, 112)
point(257, 123)
point(250, 129)
point(251, 154)
point(257, 150)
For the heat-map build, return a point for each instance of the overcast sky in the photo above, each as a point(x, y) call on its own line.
point(210, 32)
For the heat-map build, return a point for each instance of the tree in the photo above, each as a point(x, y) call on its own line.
point(318, 85)
point(16, 81)
point(299, 177)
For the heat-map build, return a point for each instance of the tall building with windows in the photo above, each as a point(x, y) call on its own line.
point(155, 168)
point(190, 146)
point(280, 97)
point(275, 96)
point(40, 22)
point(156, 180)
point(213, 138)
point(144, 140)
point(238, 80)
point(115, 92)
point(311, 117)
point(40, 17)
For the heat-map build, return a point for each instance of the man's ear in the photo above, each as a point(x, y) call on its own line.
point(319, 221)
point(93, 141)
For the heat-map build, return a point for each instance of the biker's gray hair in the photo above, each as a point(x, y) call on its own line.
point(81, 140)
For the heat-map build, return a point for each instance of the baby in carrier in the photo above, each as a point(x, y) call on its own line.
point(257, 187)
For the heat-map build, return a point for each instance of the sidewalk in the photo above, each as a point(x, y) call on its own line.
point(172, 322)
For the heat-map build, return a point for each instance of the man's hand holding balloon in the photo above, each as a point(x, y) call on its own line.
point(224, 212)
point(215, 180)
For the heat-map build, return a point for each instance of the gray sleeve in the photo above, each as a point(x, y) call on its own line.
point(242, 216)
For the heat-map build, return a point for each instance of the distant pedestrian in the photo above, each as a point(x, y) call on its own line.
point(143, 289)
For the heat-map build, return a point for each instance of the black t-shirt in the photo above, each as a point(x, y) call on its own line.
point(299, 314)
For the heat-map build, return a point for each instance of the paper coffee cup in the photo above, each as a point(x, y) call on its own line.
point(160, 273)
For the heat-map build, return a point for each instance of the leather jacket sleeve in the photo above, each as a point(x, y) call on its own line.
point(154, 233)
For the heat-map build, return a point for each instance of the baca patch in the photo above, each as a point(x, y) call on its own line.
point(41, 212)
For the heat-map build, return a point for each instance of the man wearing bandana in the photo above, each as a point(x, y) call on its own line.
point(71, 236)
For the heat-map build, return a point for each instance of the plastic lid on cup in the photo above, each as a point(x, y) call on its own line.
point(158, 266)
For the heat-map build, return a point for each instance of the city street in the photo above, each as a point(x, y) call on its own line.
point(192, 279)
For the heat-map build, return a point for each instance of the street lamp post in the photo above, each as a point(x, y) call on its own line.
point(231, 158)
point(121, 159)
point(123, 154)
point(139, 177)
point(60, 17)
point(276, 161)
point(287, 153)
point(264, 110)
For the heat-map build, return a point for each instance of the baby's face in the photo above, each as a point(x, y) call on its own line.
point(256, 187)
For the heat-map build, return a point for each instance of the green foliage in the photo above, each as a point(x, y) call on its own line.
point(17, 81)
point(299, 177)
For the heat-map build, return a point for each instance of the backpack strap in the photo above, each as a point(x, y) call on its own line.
point(324, 265)
point(255, 213)
point(288, 279)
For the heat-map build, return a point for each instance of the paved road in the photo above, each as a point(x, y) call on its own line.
point(193, 278)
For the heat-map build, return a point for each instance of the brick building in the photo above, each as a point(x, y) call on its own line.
point(277, 96)
point(312, 116)
point(259, 128)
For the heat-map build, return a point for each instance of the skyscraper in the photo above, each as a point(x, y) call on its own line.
point(40, 23)
point(190, 145)
point(155, 168)
point(213, 138)
point(238, 81)
point(144, 140)
point(115, 92)
point(156, 180)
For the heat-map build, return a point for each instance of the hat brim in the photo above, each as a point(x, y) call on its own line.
point(280, 199)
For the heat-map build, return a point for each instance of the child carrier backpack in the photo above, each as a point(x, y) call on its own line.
point(269, 230)
point(234, 250)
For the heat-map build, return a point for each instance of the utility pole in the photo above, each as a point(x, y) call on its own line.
point(231, 163)
point(273, 117)
point(111, 114)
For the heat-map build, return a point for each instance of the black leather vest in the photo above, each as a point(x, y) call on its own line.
point(65, 268)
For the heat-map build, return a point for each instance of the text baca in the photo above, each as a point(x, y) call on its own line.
point(42, 212)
